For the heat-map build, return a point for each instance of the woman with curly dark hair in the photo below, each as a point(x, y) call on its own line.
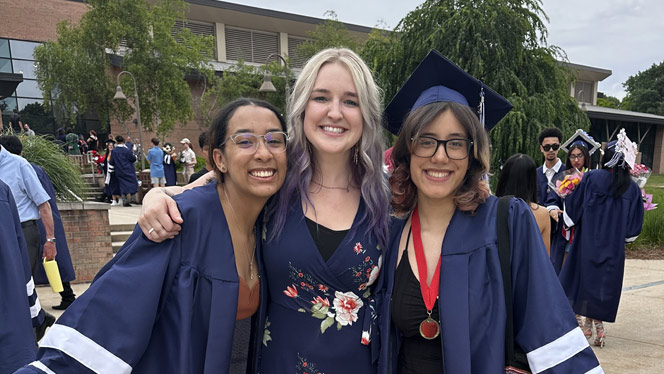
point(444, 302)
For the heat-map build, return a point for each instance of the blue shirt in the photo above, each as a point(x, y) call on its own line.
point(22, 180)
point(156, 158)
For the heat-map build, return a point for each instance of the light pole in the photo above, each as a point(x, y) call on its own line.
point(267, 85)
point(119, 95)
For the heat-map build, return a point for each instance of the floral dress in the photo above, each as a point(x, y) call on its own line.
point(320, 315)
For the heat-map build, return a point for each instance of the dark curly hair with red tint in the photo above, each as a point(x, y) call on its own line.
point(474, 190)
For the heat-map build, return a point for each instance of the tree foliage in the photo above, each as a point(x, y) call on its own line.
point(74, 70)
point(502, 43)
point(608, 101)
point(645, 91)
point(329, 34)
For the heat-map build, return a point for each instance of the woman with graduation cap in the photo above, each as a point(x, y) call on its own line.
point(184, 305)
point(606, 211)
point(444, 298)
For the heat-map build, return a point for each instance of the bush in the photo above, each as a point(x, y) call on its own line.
point(652, 233)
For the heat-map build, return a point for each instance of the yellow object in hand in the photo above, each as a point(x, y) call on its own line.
point(53, 275)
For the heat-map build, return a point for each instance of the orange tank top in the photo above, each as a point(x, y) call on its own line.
point(247, 300)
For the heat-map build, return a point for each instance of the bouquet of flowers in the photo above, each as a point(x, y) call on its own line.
point(567, 185)
point(640, 174)
point(647, 201)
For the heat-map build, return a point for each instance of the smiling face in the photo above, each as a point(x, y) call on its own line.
point(576, 158)
point(332, 117)
point(438, 177)
point(257, 174)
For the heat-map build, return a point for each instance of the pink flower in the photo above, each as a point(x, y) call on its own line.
point(375, 271)
point(357, 248)
point(322, 287)
point(366, 337)
point(362, 286)
point(291, 291)
point(346, 304)
point(366, 259)
point(319, 299)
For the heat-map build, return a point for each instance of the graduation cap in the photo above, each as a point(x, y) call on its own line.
point(582, 138)
point(624, 151)
point(438, 79)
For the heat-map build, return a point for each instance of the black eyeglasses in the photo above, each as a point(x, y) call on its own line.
point(576, 157)
point(548, 147)
point(455, 149)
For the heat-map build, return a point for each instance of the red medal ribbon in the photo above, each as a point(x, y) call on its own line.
point(429, 292)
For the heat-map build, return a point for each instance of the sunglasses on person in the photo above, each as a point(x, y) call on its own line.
point(548, 147)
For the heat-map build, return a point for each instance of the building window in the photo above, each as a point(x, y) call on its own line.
point(196, 28)
point(16, 56)
point(250, 45)
point(296, 59)
point(583, 92)
point(22, 49)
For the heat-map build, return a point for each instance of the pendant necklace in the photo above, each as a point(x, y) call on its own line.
point(429, 328)
point(246, 248)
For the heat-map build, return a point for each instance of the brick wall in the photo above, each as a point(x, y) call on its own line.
point(36, 20)
point(88, 236)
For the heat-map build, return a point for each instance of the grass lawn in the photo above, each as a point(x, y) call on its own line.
point(652, 234)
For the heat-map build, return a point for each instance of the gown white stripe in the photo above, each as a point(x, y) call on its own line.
point(595, 370)
point(30, 287)
point(84, 350)
point(35, 309)
point(567, 219)
point(629, 240)
point(558, 351)
point(42, 367)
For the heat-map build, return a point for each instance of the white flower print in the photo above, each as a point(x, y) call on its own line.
point(346, 306)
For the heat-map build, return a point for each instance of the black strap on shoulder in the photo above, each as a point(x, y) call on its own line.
point(505, 268)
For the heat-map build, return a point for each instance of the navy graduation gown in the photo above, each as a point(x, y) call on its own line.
point(156, 307)
point(320, 315)
point(472, 304)
point(169, 170)
point(122, 161)
point(593, 272)
point(547, 197)
point(17, 341)
point(543, 188)
point(63, 258)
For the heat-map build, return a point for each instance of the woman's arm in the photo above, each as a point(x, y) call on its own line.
point(160, 218)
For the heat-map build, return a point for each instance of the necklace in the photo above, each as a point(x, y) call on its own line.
point(250, 258)
point(429, 328)
point(347, 188)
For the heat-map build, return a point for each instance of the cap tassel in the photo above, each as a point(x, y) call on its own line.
point(481, 108)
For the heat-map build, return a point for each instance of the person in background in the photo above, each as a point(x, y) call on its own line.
point(123, 169)
point(202, 142)
point(170, 157)
point(13, 144)
point(606, 211)
point(32, 203)
point(444, 300)
point(17, 341)
point(82, 144)
point(552, 169)
point(71, 144)
point(111, 189)
point(518, 178)
point(28, 130)
point(184, 305)
point(187, 158)
point(92, 141)
point(156, 159)
point(15, 122)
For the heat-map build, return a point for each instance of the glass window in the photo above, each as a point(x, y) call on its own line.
point(27, 67)
point(8, 104)
point(23, 102)
point(4, 48)
point(22, 49)
point(28, 88)
point(5, 65)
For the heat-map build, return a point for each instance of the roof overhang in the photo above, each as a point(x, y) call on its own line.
point(8, 83)
point(587, 73)
point(600, 112)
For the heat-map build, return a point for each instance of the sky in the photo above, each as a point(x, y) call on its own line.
point(624, 36)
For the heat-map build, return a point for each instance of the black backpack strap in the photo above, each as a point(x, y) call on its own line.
point(504, 254)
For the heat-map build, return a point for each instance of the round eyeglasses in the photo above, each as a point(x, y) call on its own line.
point(275, 141)
point(576, 157)
point(455, 149)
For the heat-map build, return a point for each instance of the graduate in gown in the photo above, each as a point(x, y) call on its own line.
point(123, 169)
point(63, 258)
point(606, 211)
point(17, 341)
point(172, 307)
point(443, 307)
point(325, 235)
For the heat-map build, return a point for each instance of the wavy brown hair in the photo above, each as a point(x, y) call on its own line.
point(473, 191)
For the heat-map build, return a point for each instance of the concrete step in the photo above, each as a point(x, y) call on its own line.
point(115, 246)
point(120, 236)
point(122, 227)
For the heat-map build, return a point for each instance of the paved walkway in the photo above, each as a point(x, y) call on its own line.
point(635, 342)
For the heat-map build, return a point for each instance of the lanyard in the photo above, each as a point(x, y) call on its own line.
point(429, 292)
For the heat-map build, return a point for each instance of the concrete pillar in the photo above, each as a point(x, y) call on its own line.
point(658, 154)
point(220, 32)
point(283, 44)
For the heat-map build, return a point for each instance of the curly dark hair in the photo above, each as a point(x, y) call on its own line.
point(550, 132)
point(474, 190)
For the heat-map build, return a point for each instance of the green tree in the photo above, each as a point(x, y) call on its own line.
point(502, 43)
point(75, 71)
point(331, 33)
point(608, 101)
point(645, 91)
